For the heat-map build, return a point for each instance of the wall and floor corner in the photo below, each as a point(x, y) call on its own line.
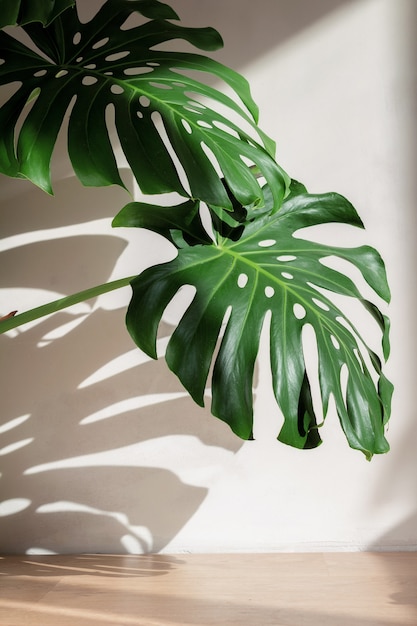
point(101, 451)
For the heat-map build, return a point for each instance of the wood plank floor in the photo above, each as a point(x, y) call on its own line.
point(326, 589)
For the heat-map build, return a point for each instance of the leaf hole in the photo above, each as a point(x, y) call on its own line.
point(79, 59)
point(267, 243)
point(311, 360)
point(335, 342)
point(135, 71)
point(194, 103)
point(343, 323)
point(189, 108)
point(76, 39)
point(344, 377)
point(91, 66)
point(299, 311)
point(242, 281)
point(144, 101)
point(161, 86)
point(204, 124)
point(286, 257)
point(61, 73)
point(159, 125)
point(321, 304)
point(248, 162)
point(269, 291)
point(40, 73)
point(355, 339)
point(212, 158)
point(225, 128)
point(89, 80)
point(117, 56)
point(4, 61)
point(194, 106)
point(358, 358)
point(178, 304)
point(287, 275)
point(139, 114)
point(362, 352)
point(153, 64)
point(117, 89)
point(187, 126)
point(100, 43)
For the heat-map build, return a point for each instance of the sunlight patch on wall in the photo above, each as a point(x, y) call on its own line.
point(122, 363)
point(14, 423)
point(15, 446)
point(130, 405)
point(60, 331)
point(13, 506)
point(184, 455)
point(61, 232)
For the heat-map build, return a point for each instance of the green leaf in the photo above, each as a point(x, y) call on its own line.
point(237, 283)
point(14, 12)
point(165, 221)
point(89, 69)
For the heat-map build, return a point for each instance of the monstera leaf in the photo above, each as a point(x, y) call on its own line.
point(14, 12)
point(89, 69)
point(105, 78)
point(237, 283)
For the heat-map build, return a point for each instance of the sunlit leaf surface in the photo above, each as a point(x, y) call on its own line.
point(100, 69)
point(114, 80)
point(268, 269)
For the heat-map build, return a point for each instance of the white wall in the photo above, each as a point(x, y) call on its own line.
point(101, 451)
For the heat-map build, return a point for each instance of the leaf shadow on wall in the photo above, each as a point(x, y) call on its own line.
point(249, 31)
point(97, 503)
point(90, 505)
point(111, 484)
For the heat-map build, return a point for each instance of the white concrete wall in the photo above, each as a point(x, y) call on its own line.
point(101, 451)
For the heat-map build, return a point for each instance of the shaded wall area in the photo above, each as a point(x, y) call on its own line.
point(100, 449)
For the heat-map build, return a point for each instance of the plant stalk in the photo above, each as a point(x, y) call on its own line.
point(13, 321)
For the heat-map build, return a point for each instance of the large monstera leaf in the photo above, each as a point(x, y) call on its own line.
point(237, 283)
point(87, 69)
point(13, 12)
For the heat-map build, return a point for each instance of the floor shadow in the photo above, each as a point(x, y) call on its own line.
point(168, 590)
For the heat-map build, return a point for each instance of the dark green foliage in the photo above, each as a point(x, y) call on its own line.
point(251, 265)
point(19, 12)
point(268, 270)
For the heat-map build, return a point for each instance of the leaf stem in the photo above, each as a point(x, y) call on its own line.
point(62, 303)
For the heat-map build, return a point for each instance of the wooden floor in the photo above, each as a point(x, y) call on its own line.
point(327, 589)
